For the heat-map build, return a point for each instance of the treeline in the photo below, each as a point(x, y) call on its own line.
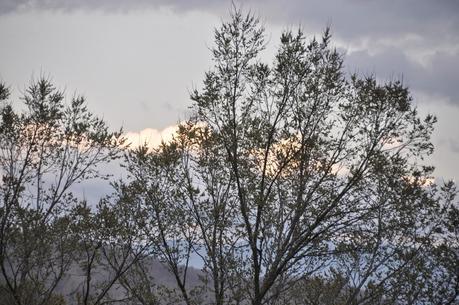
point(292, 182)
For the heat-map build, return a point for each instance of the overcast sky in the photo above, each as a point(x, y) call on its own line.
point(136, 60)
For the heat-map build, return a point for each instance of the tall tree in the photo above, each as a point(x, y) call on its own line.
point(44, 150)
point(294, 171)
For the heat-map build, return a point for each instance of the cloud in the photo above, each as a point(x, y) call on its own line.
point(437, 77)
point(418, 38)
point(357, 18)
point(351, 17)
point(454, 145)
point(8, 6)
point(150, 136)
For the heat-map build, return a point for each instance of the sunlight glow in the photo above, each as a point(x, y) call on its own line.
point(150, 137)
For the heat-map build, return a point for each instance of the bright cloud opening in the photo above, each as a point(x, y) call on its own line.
point(150, 136)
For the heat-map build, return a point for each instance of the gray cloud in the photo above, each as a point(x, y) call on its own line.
point(454, 145)
point(9, 6)
point(355, 18)
point(407, 28)
point(439, 77)
point(351, 18)
point(126, 60)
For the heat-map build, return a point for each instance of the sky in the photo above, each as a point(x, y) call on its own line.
point(136, 61)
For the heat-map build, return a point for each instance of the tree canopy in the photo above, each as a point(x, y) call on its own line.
point(294, 174)
point(292, 182)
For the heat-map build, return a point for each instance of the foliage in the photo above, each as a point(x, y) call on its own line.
point(44, 150)
point(295, 171)
point(291, 182)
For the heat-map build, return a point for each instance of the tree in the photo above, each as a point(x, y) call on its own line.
point(109, 242)
point(44, 150)
point(294, 172)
